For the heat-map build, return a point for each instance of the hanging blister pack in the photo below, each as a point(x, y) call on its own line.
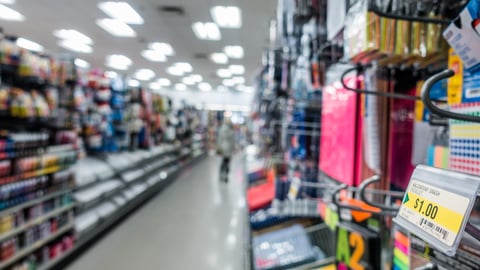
point(437, 205)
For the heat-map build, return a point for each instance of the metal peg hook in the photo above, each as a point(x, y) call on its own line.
point(371, 92)
point(363, 197)
point(340, 205)
point(436, 110)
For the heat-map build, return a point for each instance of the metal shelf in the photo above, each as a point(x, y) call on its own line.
point(35, 222)
point(93, 234)
point(32, 202)
point(26, 251)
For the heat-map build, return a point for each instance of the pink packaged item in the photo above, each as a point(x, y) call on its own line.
point(338, 143)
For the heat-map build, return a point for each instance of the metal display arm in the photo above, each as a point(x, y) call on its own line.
point(436, 110)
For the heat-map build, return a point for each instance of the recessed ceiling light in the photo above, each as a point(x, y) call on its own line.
point(73, 35)
point(111, 74)
point(196, 77)
point(238, 80)
point(116, 27)
point(121, 11)
point(227, 17)
point(175, 71)
point(155, 86)
point(154, 56)
point(75, 47)
point(180, 87)
point(144, 74)
point(164, 82)
point(81, 63)
point(237, 69)
point(184, 66)
point(219, 58)
point(29, 45)
point(188, 81)
point(133, 83)
point(118, 61)
point(9, 14)
point(207, 31)
point(205, 87)
point(164, 48)
point(224, 73)
point(234, 51)
point(228, 82)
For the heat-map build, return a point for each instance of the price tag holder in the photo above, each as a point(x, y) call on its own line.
point(437, 205)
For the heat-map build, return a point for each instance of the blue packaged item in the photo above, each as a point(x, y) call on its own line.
point(471, 87)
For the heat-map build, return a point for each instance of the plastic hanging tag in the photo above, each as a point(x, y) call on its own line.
point(436, 206)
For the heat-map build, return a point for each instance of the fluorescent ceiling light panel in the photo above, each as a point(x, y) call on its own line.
point(205, 87)
point(155, 86)
point(29, 45)
point(196, 77)
point(180, 87)
point(227, 17)
point(224, 73)
point(188, 81)
point(75, 47)
point(144, 74)
point(234, 51)
point(184, 66)
point(111, 74)
point(133, 83)
point(73, 35)
point(118, 61)
point(175, 71)
point(116, 27)
point(207, 31)
point(238, 80)
point(228, 82)
point(8, 2)
point(164, 82)
point(9, 14)
point(121, 11)
point(161, 47)
point(219, 58)
point(81, 63)
point(237, 69)
point(154, 56)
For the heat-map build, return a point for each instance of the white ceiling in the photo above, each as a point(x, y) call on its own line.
point(45, 16)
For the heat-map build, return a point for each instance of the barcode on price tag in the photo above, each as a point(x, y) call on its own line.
point(434, 209)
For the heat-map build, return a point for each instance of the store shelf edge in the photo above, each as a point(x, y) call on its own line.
point(36, 221)
point(26, 251)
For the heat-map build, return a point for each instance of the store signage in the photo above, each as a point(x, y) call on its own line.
point(437, 210)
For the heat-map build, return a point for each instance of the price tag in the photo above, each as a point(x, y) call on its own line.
point(435, 209)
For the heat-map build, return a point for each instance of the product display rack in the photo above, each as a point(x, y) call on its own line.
point(86, 239)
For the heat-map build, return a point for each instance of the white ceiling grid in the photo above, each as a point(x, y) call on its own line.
point(43, 17)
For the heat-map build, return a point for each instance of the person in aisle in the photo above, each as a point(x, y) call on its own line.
point(225, 147)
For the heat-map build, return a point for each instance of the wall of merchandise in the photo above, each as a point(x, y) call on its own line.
point(366, 123)
point(78, 151)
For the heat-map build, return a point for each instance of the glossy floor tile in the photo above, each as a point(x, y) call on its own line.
point(196, 223)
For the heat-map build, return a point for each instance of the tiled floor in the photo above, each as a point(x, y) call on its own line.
point(195, 223)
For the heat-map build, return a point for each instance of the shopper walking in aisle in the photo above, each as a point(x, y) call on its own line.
point(226, 147)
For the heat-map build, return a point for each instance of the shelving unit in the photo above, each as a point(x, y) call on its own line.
point(26, 251)
point(154, 179)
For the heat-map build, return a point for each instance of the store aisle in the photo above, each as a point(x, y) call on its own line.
point(195, 223)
